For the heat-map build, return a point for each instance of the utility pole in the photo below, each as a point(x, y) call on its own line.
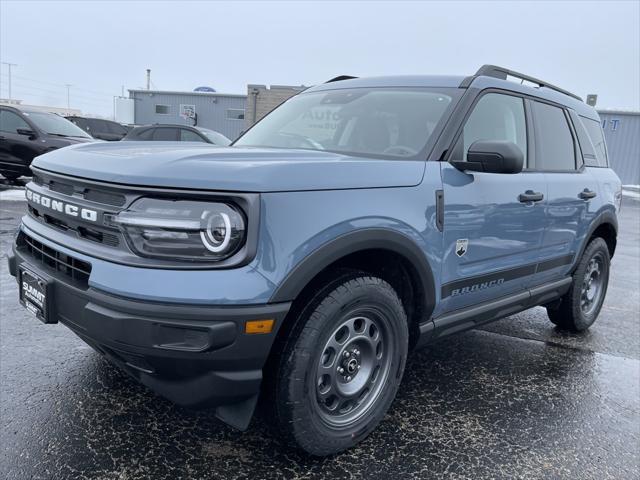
point(148, 79)
point(9, 65)
point(68, 89)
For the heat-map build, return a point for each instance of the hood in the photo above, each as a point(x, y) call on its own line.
point(64, 141)
point(174, 164)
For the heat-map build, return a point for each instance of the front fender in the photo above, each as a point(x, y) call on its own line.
point(352, 242)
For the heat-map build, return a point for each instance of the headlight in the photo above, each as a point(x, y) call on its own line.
point(182, 229)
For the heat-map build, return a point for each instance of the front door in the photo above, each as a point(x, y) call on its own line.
point(16, 150)
point(492, 234)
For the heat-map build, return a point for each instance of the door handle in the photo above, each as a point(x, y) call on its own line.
point(587, 194)
point(530, 196)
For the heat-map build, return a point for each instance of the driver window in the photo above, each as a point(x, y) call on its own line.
point(11, 122)
point(495, 117)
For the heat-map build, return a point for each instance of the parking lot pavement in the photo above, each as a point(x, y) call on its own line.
point(517, 399)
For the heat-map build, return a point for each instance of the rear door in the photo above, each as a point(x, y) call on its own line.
point(572, 190)
point(491, 238)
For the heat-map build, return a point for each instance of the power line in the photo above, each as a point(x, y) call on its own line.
point(61, 85)
point(59, 98)
point(59, 93)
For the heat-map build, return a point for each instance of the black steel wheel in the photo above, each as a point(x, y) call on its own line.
point(580, 306)
point(341, 364)
point(353, 367)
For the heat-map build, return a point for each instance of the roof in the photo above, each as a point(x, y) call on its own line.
point(393, 81)
point(617, 111)
point(25, 109)
point(198, 94)
point(480, 81)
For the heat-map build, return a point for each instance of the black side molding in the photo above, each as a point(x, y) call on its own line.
point(475, 315)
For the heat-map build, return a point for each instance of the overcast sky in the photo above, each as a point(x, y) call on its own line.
point(98, 47)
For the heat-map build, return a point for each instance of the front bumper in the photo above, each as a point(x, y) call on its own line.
point(193, 355)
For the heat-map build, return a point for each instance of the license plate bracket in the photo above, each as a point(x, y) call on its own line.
point(35, 294)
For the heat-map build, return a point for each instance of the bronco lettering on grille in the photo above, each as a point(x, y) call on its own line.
point(62, 207)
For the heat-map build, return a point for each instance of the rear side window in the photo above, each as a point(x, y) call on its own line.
point(99, 126)
point(555, 149)
point(116, 128)
point(81, 122)
point(145, 134)
point(189, 136)
point(495, 117)
point(166, 134)
point(594, 130)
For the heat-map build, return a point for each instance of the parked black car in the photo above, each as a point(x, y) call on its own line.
point(26, 133)
point(177, 133)
point(100, 128)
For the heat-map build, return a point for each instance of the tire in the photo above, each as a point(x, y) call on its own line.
point(355, 314)
point(580, 306)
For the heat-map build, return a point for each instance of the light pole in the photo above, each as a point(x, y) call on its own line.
point(9, 65)
point(68, 89)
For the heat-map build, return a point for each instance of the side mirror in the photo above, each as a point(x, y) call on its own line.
point(492, 156)
point(27, 132)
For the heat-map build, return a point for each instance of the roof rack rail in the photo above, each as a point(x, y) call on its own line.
point(340, 77)
point(502, 73)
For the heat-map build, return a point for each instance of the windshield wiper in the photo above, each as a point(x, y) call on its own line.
point(66, 136)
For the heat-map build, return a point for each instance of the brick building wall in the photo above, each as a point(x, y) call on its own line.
point(262, 99)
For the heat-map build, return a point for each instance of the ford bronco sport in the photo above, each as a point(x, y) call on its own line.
point(361, 219)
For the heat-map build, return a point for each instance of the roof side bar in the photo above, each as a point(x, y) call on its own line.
point(340, 78)
point(502, 73)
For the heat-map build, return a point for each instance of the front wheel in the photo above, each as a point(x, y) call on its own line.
point(341, 365)
point(580, 306)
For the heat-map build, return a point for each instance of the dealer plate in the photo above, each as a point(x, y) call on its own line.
point(34, 294)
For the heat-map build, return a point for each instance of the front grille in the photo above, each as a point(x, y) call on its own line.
point(77, 270)
point(93, 234)
point(88, 193)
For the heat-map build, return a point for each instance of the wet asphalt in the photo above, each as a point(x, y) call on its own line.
point(516, 399)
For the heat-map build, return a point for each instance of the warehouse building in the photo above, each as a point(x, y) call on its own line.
point(221, 112)
point(228, 114)
point(622, 133)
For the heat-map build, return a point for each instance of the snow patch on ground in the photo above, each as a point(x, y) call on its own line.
point(12, 195)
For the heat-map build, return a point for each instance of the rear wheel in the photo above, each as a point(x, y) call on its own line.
point(341, 365)
point(580, 306)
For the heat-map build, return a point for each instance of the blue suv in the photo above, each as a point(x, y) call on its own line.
point(361, 219)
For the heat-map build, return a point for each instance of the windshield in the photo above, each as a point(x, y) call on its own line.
point(391, 122)
point(56, 125)
point(215, 137)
